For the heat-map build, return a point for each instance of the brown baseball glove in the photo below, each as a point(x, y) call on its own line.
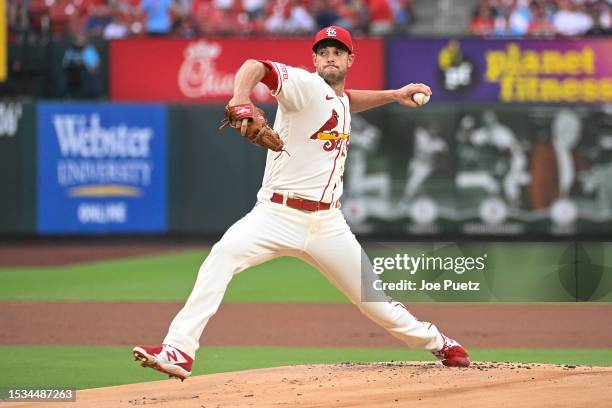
point(258, 130)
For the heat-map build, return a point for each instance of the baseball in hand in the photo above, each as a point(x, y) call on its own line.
point(420, 98)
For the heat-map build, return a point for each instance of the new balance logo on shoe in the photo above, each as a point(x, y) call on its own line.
point(164, 358)
point(171, 355)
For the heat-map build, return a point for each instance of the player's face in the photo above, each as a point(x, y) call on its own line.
point(332, 63)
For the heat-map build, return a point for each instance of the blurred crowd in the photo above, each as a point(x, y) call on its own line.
point(113, 19)
point(541, 18)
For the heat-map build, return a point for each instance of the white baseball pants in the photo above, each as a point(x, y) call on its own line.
point(322, 239)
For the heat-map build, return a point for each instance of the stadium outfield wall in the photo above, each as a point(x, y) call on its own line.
point(525, 154)
point(74, 168)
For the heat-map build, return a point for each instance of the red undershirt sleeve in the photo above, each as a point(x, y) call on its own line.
point(271, 78)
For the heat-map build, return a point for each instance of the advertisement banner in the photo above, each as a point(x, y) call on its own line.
point(203, 70)
point(101, 168)
point(476, 170)
point(508, 71)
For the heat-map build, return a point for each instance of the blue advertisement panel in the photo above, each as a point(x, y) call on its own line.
point(101, 168)
point(507, 71)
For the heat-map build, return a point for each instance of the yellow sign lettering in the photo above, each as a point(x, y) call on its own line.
point(531, 63)
point(496, 61)
point(552, 63)
point(524, 75)
point(588, 61)
point(606, 90)
point(570, 90)
point(589, 90)
point(506, 89)
point(572, 62)
point(549, 90)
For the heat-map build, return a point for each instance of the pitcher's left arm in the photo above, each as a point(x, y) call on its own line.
point(362, 100)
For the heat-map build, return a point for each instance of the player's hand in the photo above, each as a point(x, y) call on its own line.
point(242, 125)
point(403, 96)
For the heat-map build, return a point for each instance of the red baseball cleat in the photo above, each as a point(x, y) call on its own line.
point(452, 354)
point(166, 359)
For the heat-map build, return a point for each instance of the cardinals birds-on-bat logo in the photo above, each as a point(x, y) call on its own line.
point(333, 137)
point(331, 123)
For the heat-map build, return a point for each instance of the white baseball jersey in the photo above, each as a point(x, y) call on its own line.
point(315, 125)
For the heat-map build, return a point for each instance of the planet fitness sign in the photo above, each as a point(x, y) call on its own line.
point(542, 71)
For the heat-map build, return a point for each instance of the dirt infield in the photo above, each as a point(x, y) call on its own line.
point(287, 325)
point(45, 254)
point(368, 385)
point(319, 325)
point(103, 323)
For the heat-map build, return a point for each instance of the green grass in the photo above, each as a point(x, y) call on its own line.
point(164, 278)
point(518, 272)
point(90, 367)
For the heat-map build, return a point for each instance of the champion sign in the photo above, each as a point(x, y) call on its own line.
point(203, 70)
point(199, 76)
point(101, 168)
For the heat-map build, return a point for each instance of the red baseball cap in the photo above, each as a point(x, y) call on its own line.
point(334, 33)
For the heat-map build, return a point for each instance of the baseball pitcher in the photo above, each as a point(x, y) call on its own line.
point(297, 211)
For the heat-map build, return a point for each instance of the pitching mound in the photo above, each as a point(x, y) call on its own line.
point(371, 385)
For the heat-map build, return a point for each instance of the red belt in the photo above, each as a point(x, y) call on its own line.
point(300, 204)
